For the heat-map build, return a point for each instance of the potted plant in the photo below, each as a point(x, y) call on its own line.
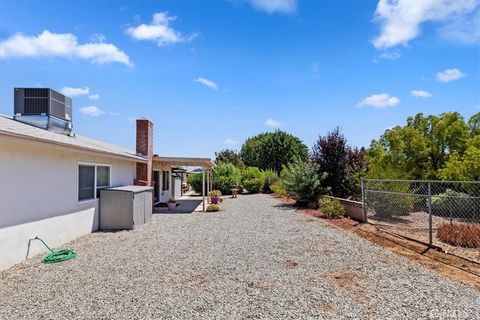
point(215, 196)
point(172, 204)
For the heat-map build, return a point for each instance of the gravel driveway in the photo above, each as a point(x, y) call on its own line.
point(256, 259)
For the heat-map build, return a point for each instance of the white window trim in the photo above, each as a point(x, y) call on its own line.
point(92, 164)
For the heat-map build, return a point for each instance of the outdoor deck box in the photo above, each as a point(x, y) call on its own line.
point(126, 207)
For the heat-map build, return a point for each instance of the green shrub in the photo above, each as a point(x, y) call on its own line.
point(213, 208)
point(302, 181)
point(269, 177)
point(225, 177)
point(278, 189)
point(331, 208)
point(252, 179)
point(454, 204)
point(387, 205)
point(195, 181)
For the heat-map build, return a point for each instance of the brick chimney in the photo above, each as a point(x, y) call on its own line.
point(145, 148)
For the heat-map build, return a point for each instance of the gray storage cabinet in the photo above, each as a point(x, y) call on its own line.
point(125, 207)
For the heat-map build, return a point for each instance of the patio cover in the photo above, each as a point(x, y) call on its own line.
point(205, 163)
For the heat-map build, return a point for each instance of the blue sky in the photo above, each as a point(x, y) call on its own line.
point(211, 73)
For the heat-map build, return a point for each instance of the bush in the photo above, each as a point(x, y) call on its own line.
point(215, 193)
point(463, 235)
point(225, 177)
point(392, 199)
point(213, 208)
point(195, 181)
point(252, 179)
point(269, 177)
point(331, 208)
point(454, 204)
point(278, 189)
point(302, 181)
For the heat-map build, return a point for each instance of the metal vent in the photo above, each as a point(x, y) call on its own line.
point(35, 93)
point(36, 106)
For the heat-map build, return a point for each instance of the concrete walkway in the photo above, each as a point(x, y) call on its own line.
point(256, 259)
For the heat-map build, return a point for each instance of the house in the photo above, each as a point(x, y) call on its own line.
point(50, 177)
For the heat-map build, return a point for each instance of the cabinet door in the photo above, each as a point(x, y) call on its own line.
point(138, 209)
point(148, 206)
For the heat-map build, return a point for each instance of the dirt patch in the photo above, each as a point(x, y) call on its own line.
point(325, 308)
point(345, 279)
point(290, 264)
point(194, 280)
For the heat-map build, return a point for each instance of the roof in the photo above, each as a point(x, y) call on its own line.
point(185, 161)
point(18, 129)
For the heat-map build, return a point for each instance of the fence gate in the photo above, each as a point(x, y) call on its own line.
point(421, 209)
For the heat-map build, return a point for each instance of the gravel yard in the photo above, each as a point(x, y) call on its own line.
point(256, 259)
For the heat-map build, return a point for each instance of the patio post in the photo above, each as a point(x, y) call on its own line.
point(203, 189)
point(208, 186)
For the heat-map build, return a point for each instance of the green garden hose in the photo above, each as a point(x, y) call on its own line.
point(58, 255)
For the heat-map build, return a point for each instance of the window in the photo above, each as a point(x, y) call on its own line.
point(86, 182)
point(103, 178)
point(165, 180)
point(91, 179)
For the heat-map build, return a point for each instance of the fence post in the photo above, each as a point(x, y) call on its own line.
point(364, 205)
point(430, 226)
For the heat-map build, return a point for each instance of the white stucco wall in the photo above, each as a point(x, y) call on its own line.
point(39, 196)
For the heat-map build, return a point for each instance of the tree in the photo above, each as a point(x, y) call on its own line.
point(344, 165)
point(229, 156)
point(463, 167)
point(421, 148)
point(272, 150)
point(225, 177)
point(302, 181)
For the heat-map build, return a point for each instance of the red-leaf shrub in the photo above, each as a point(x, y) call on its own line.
point(463, 235)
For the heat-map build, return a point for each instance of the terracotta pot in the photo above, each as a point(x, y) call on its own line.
point(171, 205)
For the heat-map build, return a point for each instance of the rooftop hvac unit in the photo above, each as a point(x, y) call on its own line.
point(44, 108)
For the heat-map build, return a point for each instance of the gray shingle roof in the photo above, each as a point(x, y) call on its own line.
point(12, 127)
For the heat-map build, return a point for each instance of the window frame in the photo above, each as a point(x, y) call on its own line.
point(95, 165)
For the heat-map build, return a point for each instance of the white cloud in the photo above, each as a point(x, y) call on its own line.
point(272, 123)
point(95, 96)
point(74, 92)
point(131, 119)
point(65, 45)
point(421, 93)
point(91, 111)
point(401, 20)
point(275, 6)
point(159, 31)
point(381, 101)
point(206, 82)
point(230, 141)
point(450, 75)
point(113, 113)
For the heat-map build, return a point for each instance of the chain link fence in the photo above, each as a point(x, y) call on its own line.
point(440, 213)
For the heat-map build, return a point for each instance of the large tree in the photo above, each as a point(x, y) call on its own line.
point(273, 150)
point(423, 147)
point(343, 165)
point(229, 156)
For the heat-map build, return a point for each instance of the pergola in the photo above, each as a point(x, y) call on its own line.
point(206, 164)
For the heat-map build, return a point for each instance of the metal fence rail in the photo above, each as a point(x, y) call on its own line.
point(420, 209)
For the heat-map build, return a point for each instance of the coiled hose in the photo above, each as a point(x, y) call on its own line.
point(57, 255)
